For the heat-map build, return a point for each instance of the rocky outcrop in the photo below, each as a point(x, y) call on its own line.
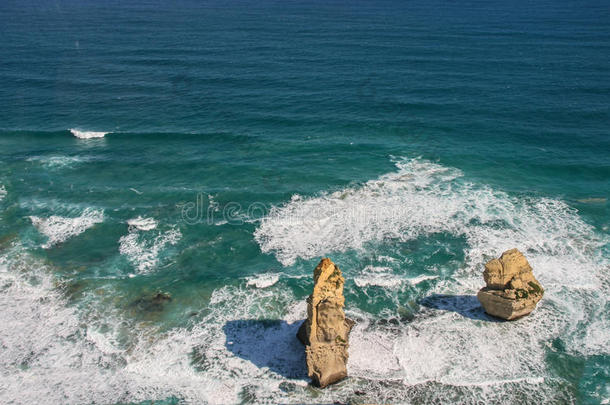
point(325, 332)
point(512, 291)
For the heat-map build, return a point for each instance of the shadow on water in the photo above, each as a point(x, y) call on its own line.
point(270, 343)
point(466, 305)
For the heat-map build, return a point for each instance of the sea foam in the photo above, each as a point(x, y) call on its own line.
point(58, 229)
point(142, 248)
point(44, 354)
point(379, 276)
point(87, 134)
point(263, 280)
point(67, 356)
point(57, 161)
point(244, 345)
point(142, 224)
point(457, 345)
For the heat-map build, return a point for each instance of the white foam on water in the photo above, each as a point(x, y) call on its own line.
point(87, 134)
point(57, 161)
point(59, 229)
point(371, 353)
point(231, 346)
point(385, 281)
point(377, 276)
point(142, 250)
point(263, 280)
point(51, 354)
point(459, 346)
point(387, 259)
point(44, 357)
point(232, 354)
point(596, 339)
point(420, 279)
point(142, 224)
point(2, 192)
point(382, 276)
point(391, 206)
point(256, 356)
point(455, 350)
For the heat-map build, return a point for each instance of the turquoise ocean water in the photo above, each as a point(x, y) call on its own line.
point(215, 151)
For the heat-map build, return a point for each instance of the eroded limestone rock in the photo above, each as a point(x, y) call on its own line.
point(512, 291)
point(325, 332)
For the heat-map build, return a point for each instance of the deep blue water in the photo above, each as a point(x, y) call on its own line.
point(242, 141)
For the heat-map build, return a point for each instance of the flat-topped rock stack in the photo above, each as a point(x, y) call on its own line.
point(512, 291)
point(325, 332)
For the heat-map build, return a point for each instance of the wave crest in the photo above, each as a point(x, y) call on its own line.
point(87, 134)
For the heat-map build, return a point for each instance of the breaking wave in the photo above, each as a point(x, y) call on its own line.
point(87, 134)
point(142, 249)
point(263, 280)
point(242, 348)
point(142, 224)
point(58, 229)
point(457, 344)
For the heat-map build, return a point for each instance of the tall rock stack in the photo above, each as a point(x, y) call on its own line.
point(512, 291)
point(325, 332)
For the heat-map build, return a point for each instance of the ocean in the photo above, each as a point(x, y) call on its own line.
point(172, 172)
